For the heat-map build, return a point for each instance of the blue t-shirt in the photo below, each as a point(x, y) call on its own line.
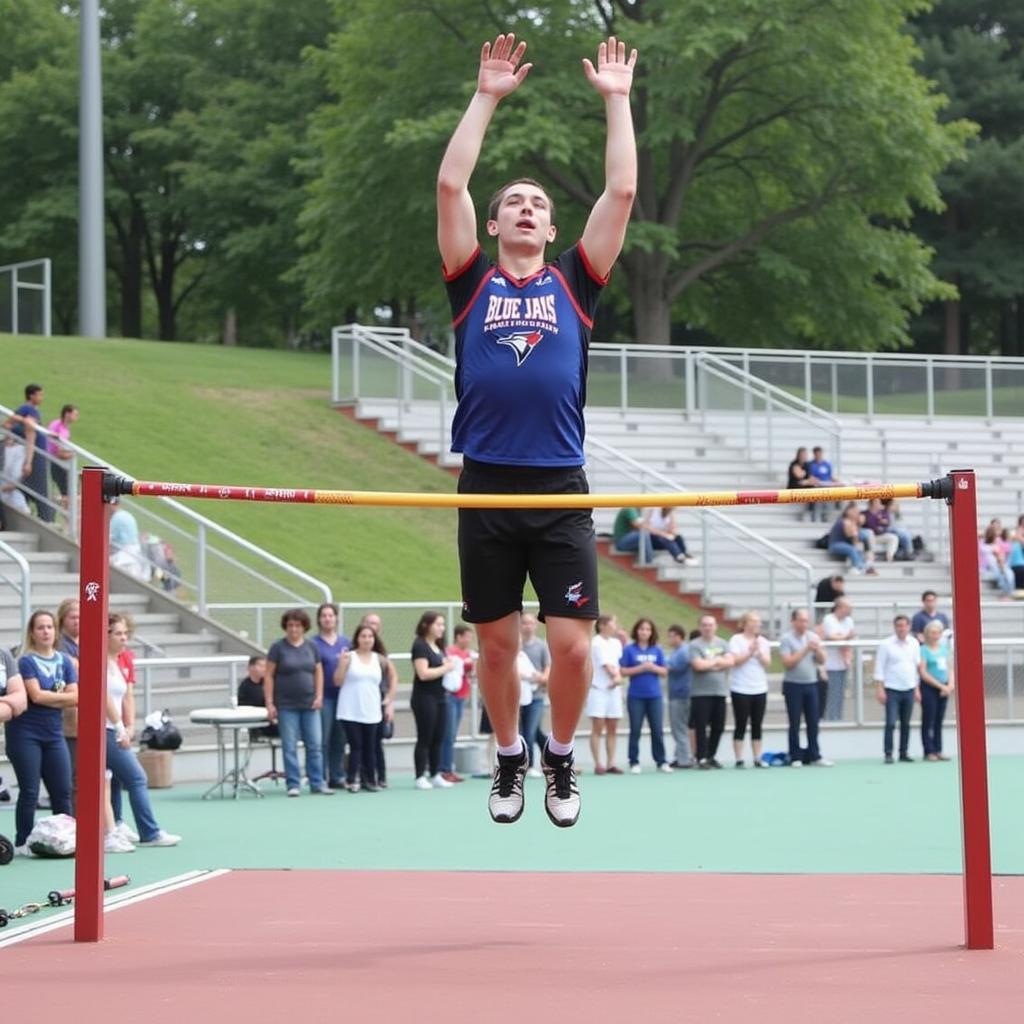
point(330, 655)
point(644, 684)
point(53, 673)
point(521, 360)
point(679, 673)
point(922, 618)
point(936, 663)
point(28, 409)
point(820, 469)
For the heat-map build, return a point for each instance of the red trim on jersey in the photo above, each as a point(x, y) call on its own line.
point(521, 282)
point(572, 298)
point(588, 267)
point(469, 305)
point(461, 270)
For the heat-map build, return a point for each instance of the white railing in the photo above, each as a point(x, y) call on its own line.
point(23, 587)
point(34, 278)
point(874, 618)
point(212, 565)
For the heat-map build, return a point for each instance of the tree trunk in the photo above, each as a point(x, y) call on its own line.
point(229, 335)
point(131, 279)
point(652, 312)
point(163, 290)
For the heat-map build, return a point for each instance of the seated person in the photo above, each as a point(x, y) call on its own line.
point(251, 695)
point(661, 524)
point(797, 476)
point(819, 470)
point(629, 531)
point(876, 519)
point(846, 540)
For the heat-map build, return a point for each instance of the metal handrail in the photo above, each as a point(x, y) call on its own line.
point(26, 580)
point(33, 286)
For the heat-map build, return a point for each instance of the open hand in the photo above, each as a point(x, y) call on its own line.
point(498, 67)
point(614, 74)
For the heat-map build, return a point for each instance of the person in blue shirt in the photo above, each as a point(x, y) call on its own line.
point(936, 671)
point(331, 646)
point(24, 423)
point(819, 470)
point(522, 332)
point(929, 612)
point(679, 678)
point(643, 663)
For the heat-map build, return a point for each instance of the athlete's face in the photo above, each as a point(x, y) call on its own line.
point(524, 218)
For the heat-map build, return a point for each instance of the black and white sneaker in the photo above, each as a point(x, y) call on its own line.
point(562, 794)
point(506, 800)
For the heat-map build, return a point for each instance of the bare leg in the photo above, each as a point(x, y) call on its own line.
point(499, 684)
point(596, 727)
point(737, 749)
point(569, 641)
point(611, 727)
point(755, 746)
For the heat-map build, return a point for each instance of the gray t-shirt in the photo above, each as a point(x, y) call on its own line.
point(294, 686)
point(537, 651)
point(709, 684)
point(8, 668)
point(806, 669)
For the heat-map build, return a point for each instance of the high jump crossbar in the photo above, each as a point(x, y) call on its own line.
point(958, 489)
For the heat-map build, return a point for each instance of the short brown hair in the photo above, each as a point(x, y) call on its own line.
point(296, 615)
point(492, 206)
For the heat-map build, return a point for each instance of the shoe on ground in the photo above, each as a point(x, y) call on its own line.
point(23, 851)
point(452, 777)
point(740, 764)
point(703, 765)
point(561, 794)
point(505, 802)
point(534, 773)
point(888, 759)
point(823, 762)
point(714, 762)
point(162, 838)
point(353, 787)
point(382, 783)
point(116, 843)
point(796, 764)
point(370, 787)
point(610, 770)
point(5, 795)
point(906, 758)
point(761, 764)
point(438, 781)
point(423, 782)
point(666, 768)
point(599, 769)
point(931, 757)
point(294, 791)
point(125, 831)
point(943, 757)
point(323, 790)
point(635, 769)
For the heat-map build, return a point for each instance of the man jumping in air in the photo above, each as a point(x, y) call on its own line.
point(522, 330)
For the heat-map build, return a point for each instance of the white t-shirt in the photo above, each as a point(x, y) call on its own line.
point(657, 519)
point(896, 663)
point(750, 677)
point(117, 687)
point(836, 629)
point(359, 699)
point(526, 670)
point(604, 650)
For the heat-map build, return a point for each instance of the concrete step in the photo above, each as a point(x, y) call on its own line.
point(20, 540)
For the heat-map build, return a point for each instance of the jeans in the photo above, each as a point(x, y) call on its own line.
point(293, 722)
point(933, 710)
point(651, 709)
point(456, 705)
point(127, 770)
point(529, 721)
point(676, 546)
point(629, 543)
point(898, 703)
point(35, 760)
point(906, 541)
point(362, 758)
point(802, 699)
point(679, 722)
point(836, 695)
point(332, 739)
point(844, 549)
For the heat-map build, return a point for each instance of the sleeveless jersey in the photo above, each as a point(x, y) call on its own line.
point(521, 360)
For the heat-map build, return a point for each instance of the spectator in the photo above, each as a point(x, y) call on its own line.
point(838, 625)
point(121, 760)
point(360, 673)
point(709, 662)
point(294, 690)
point(461, 648)
point(801, 653)
point(68, 626)
point(1016, 560)
point(24, 423)
point(530, 716)
point(906, 543)
point(643, 663)
point(661, 525)
point(429, 704)
point(992, 564)
point(331, 645)
point(388, 690)
point(251, 695)
point(897, 675)
point(679, 678)
point(125, 546)
point(35, 739)
point(797, 477)
point(876, 519)
point(604, 702)
point(830, 589)
point(819, 469)
point(13, 700)
point(60, 435)
point(748, 685)
point(929, 612)
point(936, 673)
point(11, 479)
point(845, 540)
point(629, 531)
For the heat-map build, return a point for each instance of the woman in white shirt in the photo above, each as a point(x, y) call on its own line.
point(661, 525)
point(359, 675)
point(837, 625)
point(604, 701)
point(748, 685)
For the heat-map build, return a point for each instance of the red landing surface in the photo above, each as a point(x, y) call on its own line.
point(412, 947)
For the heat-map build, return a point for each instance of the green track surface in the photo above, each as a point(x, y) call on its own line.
point(859, 817)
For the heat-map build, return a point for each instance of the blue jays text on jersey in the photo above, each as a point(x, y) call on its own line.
point(521, 360)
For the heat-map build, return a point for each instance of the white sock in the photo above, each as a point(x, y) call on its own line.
point(514, 751)
point(559, 749)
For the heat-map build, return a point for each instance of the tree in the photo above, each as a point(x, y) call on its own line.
point(783, 148)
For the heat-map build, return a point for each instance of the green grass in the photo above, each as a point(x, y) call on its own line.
point(171, 411)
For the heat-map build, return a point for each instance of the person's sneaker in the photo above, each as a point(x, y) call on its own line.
point(635, 769)
point(691, 560)
point(438, 781)
point(907, 758)
point(506, 802)
point(666, 768)
point(714, 762)
point(823, 762)
point(888, 759)
point(703, 765)
point(294, 791)
point(162, 838)
point(740, 764)
point(452, 777)
point(323, 790)
point(125, 831)
point(382, 783)
point(5, 794)
point(562, 794)
point(796, 764)
point(423, 782)
point(113, 842)
point(370, 787)
point(761, 764)
point(352, 787)
point(23, 851)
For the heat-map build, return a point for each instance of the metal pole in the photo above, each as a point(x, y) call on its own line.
point(1009, 682)
point(94, 579)
point(201, 568)
point(92, 259)
point(869, 370)
point(858, 685)
point(14, 300)
point(929, 370)
point(623, 385)
point(989, 398)
point(835, 387)
point(970, 711)
point(47, 299)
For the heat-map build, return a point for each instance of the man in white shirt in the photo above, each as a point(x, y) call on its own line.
point(896, 673)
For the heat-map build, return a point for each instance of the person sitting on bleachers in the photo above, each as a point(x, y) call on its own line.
point(251, 695)
point(661, 524)
point(876, 519)
point(797, 476)
point(992, 562)
point(845, 540)
point(629, 531)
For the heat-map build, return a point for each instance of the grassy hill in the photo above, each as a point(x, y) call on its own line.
point(192, 413)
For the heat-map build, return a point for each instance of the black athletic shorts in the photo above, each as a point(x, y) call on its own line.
point(498, 548)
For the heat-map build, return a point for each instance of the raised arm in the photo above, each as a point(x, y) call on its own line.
point(606, 227)
point(456, 218)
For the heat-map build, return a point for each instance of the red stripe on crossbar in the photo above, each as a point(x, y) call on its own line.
point(757, 497)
